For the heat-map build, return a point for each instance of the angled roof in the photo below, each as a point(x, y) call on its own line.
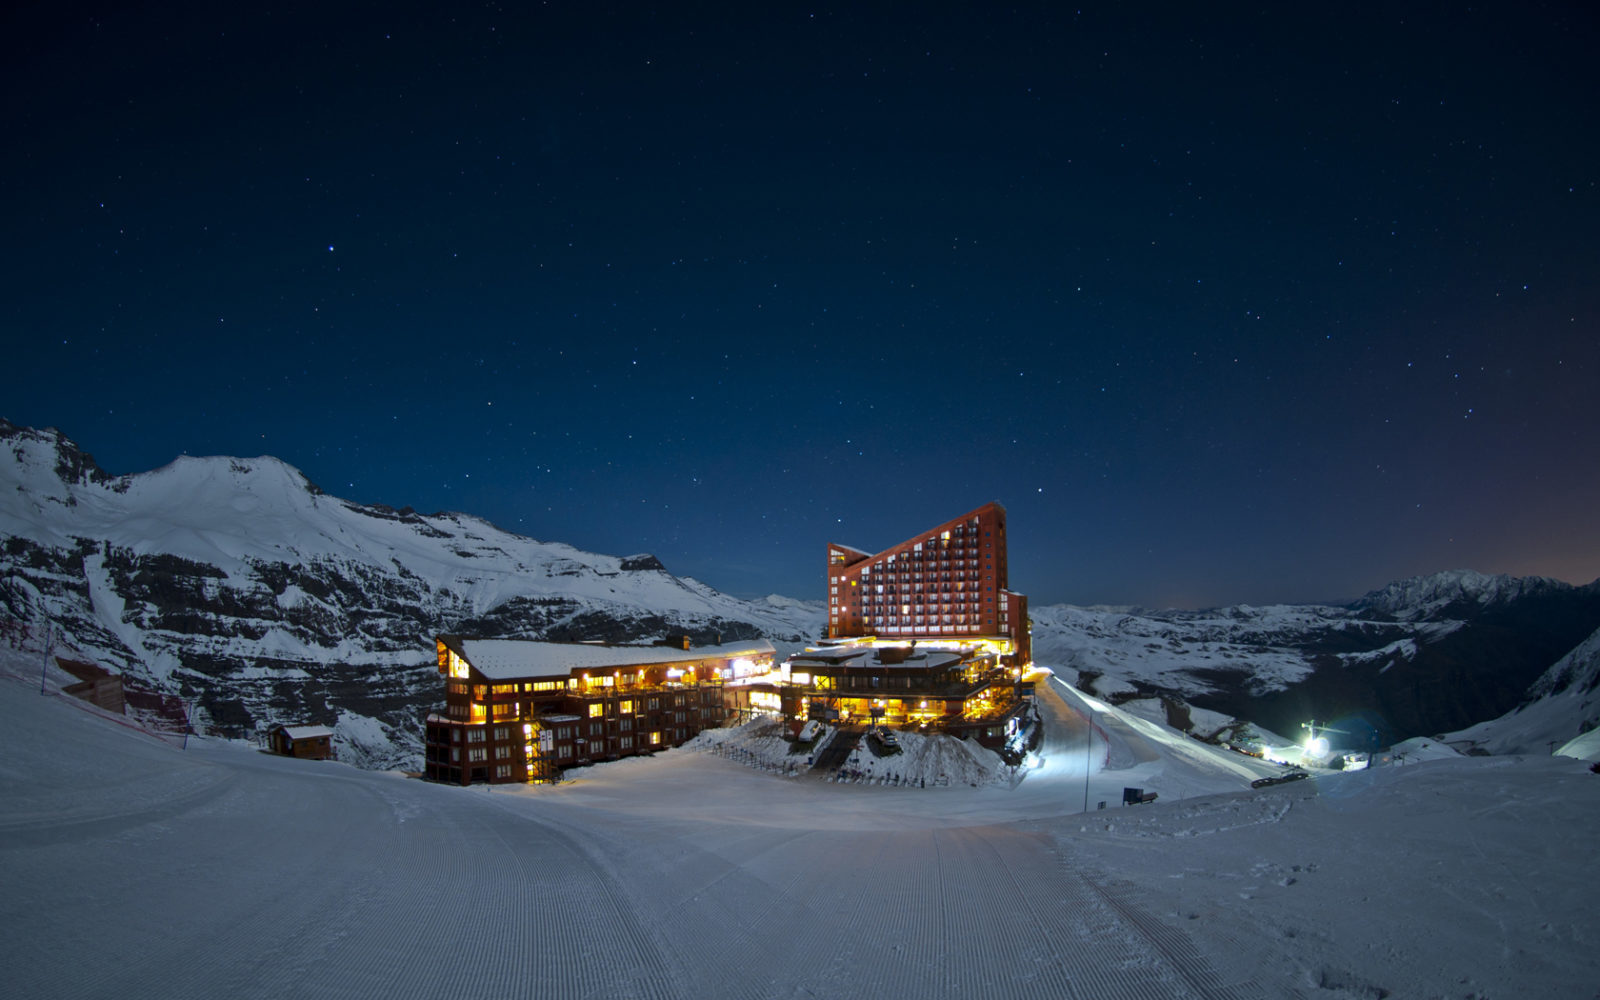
point(975, 512)
point(500, 659)
point(306, 732)
point(847, 656)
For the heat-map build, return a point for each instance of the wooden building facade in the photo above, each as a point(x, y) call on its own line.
point(524, 711)
point(959, 688)
point(306, 742)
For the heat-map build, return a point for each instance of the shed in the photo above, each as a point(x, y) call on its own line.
point(308, 742)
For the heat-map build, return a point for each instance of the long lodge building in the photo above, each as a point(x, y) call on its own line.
point(521, 711)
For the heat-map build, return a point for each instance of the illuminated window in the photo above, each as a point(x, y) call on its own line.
point(596, 709)
point(626, 707)
point(655, 738)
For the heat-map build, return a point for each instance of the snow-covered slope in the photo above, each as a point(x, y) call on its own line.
point(241, 585)
point(1419, 657)
point(1562, 706)
point(1193, 652)
point(687, 875)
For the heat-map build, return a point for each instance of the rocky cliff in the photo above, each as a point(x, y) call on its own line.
point(242, 587)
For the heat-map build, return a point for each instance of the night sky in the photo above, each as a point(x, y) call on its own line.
point(1237, 305)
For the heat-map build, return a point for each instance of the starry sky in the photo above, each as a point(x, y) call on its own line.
point(1224, 305)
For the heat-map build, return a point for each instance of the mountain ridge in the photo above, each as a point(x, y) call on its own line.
point(241, 585)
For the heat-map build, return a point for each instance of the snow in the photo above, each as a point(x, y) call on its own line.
point(1585, 747)
point(505, 658)
point(135, 868)
point(1424, 596)
point(1562, 710)
point(924, 761)
point(1267, 648)
point(252, 518)
point(306, 732)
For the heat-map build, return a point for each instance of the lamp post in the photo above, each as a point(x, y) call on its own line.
point(1088, 750)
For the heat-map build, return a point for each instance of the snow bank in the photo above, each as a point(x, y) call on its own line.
point(924, 760)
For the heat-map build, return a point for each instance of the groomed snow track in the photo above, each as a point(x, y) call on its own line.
point(135, 868)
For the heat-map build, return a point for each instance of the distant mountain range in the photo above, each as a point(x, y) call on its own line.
point(1419, 657)
point(241, 586)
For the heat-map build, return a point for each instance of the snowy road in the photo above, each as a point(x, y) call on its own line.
point(134, 869)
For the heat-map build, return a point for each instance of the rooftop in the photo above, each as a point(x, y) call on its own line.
point(306, 732)
point(507, 658)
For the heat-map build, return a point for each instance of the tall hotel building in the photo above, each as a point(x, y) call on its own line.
point(948, 583)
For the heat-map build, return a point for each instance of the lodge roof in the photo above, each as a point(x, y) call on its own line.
point(502, 659)
point(933, 659)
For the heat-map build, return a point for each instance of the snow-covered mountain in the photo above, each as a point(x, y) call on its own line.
point(1561, 712)
point(1455, 593)
point(240, 585)
point(1418, 657)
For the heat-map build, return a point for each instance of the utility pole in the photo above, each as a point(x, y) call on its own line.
point(44, 668)
point(1088, 751)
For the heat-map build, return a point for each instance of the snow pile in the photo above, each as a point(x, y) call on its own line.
point(1419, 749)
point(759, 743)
point(923, 761)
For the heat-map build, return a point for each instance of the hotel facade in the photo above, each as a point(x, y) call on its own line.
point(924, 635)
point(946, 583)
point(522, 711)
